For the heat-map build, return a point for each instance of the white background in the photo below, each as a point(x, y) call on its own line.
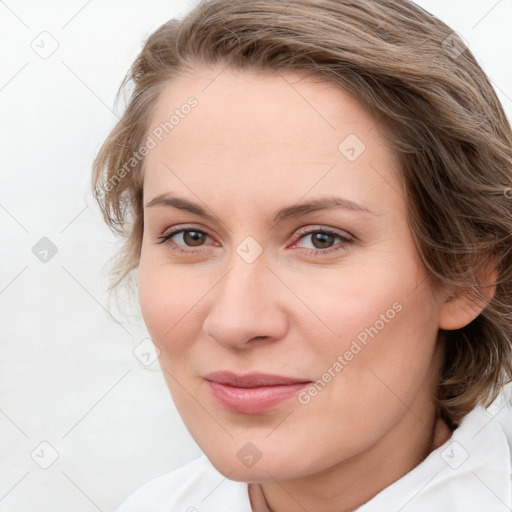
point(68, 376)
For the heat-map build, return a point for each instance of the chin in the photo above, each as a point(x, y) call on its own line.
point(268, 468)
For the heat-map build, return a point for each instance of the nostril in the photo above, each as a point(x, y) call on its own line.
point(258, 338)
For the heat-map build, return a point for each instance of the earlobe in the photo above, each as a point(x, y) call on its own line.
point(462, 308)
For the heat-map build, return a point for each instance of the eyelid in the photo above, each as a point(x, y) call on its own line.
point(336, 249)
point(302, 231)
point(173, 231)
point(185, 227)
point(308, 230)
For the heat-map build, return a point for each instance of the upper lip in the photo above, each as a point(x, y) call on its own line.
point(252, 380)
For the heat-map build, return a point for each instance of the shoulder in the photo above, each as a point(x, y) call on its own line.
point(196, 486)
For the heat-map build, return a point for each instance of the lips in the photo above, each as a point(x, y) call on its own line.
point(253, 393)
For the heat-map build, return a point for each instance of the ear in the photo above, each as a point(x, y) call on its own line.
point(461, 309)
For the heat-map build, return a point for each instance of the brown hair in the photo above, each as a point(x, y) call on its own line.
point(442, 118)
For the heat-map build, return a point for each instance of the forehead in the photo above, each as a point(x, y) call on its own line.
point(285, 107)
point(269, 127)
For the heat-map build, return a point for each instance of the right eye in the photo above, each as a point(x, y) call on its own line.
point(180, 239)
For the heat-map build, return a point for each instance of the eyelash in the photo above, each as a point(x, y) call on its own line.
point(314, 252)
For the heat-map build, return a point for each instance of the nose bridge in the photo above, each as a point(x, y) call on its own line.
point(245, 304)
point(242, 287)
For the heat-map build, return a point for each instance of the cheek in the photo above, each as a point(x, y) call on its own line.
point(374, 318)
point(162, 299)
point(172, 301)
point(155, 303)
point(386, 352)
point(341, 305)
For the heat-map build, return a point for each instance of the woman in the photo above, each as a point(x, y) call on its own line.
point(316, 198)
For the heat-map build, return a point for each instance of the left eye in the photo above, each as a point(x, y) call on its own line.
point(323, 239)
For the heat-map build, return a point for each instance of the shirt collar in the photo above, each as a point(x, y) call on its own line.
point(471, 471)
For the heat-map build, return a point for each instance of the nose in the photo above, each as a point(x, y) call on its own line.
point(246, 307)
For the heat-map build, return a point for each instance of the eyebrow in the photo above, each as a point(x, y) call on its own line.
point(296, 210)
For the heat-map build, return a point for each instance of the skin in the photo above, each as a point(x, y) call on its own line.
point(257, 143)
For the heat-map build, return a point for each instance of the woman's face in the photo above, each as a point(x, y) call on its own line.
point(293, 314)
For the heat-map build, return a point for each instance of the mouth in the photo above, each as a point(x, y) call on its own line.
point(253, 393)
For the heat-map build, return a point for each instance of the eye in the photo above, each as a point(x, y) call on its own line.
point(190, 239)
point(184, 237)
point(323, 240)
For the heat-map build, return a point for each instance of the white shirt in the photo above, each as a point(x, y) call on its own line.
point(471, 472)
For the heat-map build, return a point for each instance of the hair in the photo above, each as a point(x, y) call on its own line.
point(442, 119)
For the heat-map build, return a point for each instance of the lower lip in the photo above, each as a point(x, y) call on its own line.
point(253, 400)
